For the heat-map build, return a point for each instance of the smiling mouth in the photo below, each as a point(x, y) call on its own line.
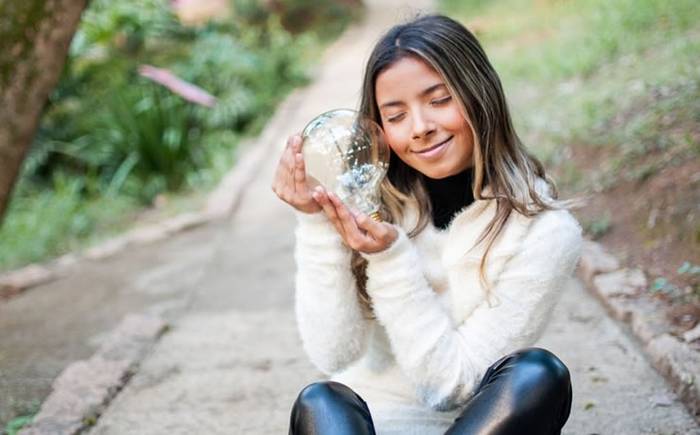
point(434, 147)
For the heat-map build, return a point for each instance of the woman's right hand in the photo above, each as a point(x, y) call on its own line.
point(289, 183)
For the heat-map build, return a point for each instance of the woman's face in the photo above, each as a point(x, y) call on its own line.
point(422, 121)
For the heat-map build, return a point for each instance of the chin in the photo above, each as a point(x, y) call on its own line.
point(440, 173)
point(437, 175)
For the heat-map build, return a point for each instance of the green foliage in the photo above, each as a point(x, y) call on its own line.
point(464, 8)
point(123, 26)
point(136, 138)
point(328, 16)
point(151, 134)
point(597, 228)
point(48, 221)
point(687, 268)
point(247, 73)
point(19, 22)
point(16, 424)
point(325, 18)
point(25, 415)
point(110, 140)
point(661, 285)
point(687, 271)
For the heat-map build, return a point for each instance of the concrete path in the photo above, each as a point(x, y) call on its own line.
point(232, 361)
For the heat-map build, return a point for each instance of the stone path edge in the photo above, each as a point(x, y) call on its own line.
point(220, 203)
point(85, 388)
point(621, 291)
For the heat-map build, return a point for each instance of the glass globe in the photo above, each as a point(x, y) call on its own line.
point(348, 155)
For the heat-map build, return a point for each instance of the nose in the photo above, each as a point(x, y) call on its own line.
point(422, 125)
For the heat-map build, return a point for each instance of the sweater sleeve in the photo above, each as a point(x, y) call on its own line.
point(331, 322)
point(445, 361)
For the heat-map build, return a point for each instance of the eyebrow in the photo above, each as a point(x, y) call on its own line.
point(423, 93)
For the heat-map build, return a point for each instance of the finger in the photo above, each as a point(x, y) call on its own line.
point(291, 140)
point(353, 234)
point(300, 175)
point(296, 149)
point(321, 197)
point(283, 182)
point(327, 207)
point(277, 181)
point(293, 149)
point(377, 230)
point(289, 161)
point(295, 143)
point(281, 171)
point(287, 177)
point(283, 167)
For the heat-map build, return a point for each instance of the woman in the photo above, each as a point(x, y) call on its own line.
point(423, 320)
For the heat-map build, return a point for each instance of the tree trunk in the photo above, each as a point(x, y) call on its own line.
point(34, 39)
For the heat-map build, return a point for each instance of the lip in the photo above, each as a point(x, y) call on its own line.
point(435, 150)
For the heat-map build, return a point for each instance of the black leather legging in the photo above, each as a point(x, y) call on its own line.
point(525, 392)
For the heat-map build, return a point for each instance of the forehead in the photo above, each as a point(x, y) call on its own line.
point(407, 77)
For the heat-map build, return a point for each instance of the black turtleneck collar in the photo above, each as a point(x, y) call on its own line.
point(449, 195)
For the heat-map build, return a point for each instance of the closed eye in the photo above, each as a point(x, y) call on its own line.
point(395, 118)
point(442, 100)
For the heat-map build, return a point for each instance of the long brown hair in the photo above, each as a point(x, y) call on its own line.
point(500, 159)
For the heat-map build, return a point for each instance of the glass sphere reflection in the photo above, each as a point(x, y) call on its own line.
point(348, 155)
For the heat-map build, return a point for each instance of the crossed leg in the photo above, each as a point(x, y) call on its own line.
point(525, 392)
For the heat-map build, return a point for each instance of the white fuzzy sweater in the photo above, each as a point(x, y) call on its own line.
point(435, 332)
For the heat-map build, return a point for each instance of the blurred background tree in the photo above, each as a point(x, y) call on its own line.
point(34, 40)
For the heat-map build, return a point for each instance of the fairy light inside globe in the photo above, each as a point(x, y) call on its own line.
point(348, 155)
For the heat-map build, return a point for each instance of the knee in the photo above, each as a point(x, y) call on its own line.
point(330, 408)
point(316, 394)
point(542, 368)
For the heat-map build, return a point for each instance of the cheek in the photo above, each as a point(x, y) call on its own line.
point(458, 125)
point(468, 132)
point(455, 122)
point(395, 139)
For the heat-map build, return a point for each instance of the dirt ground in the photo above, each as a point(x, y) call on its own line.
point(652, 223)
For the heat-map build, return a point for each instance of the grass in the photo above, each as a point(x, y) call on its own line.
point(598, 227)
point(57, 220)
point(596, 72)
point(663, 286)
point(16, 424)
point(548, 39)
point(25, 416)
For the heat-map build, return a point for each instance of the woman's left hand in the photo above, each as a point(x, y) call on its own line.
point(359, 231)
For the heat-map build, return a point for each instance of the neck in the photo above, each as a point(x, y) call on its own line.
point(449, 195)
